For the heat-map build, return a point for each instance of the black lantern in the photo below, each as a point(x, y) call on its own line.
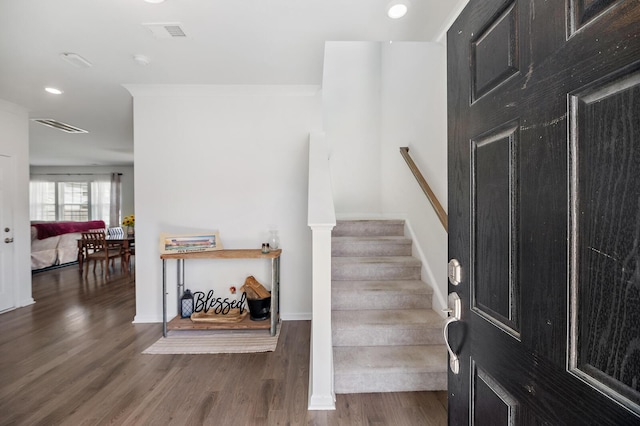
point(186, 304)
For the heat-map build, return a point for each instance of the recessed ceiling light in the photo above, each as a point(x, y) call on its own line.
point(141, 60)
point(154, 1)
point(397, 10)
point(53, 90)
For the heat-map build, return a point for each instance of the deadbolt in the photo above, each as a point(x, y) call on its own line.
point(455, 272)
point(7, 229)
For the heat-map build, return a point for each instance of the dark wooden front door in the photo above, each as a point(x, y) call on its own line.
point(544, 211)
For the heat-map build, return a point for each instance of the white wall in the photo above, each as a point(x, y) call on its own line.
point(379, 96)
point(128, 193)
point(14, 142)
point(351, 113)
point(414, 114)
point(227, 158)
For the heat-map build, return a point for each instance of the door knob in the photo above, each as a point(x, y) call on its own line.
point(8, 240)
point(455, 312)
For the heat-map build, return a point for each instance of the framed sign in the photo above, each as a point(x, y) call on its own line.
point(189, 243)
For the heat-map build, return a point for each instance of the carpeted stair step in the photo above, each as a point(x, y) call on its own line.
point(375, 268)
point(366, 295)
point(368, 228)
point(370, 246)
point(386, 337)
point(386, 327)
point(364, 369)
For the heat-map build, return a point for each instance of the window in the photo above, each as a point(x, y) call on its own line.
point(74, 198)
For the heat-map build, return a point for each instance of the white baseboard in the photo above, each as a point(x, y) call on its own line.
point(146, 319)
point(26, 302)
point(321, 402)
point(301, 316)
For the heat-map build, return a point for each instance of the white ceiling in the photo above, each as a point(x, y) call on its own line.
point(227, 42)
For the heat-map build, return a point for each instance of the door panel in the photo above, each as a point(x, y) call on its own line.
point(495, 52)
point(583, 11)
point(605, 289)
point(495, 196)
point(492, 404)
point(544, 202)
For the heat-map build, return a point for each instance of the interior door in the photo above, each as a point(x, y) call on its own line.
point(6, 235)
point(544, 212)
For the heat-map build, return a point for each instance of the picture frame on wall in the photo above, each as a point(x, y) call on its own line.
point(189, 243)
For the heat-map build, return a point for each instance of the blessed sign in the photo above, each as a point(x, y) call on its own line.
point(219, 305)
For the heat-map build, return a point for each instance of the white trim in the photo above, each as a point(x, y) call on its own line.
point(300, 316)
point(28, 301)
point(146, 319)
point(321, 402)
point(451, 18)
point(427, 272)
point(207, 90)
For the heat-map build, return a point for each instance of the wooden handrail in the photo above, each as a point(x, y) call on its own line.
point(442, 215)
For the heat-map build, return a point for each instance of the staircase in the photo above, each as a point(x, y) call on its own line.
point(386, 337)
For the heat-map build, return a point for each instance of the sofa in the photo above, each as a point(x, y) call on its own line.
point(56, 243)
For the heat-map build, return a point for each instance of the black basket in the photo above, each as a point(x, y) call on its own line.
point(259, 308)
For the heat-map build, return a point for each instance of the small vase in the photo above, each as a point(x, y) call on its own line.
point(131, 231)
point(274, 240)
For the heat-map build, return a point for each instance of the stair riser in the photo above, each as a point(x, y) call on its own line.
point(370, 249)
point(368, 229)
point(341, 301)
point(385, 336)
point(394, 382)
point(380, 271)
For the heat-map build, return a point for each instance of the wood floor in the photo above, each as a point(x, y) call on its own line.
point(74, 358)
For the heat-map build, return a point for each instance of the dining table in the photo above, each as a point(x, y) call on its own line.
point(127, 242)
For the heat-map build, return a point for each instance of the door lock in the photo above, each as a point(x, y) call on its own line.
point(8, 240)
point(455, 312)
point(455, 272)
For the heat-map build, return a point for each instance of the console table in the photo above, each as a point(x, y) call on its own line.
point(179, 323)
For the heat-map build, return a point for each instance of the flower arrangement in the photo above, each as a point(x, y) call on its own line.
point(129, 220)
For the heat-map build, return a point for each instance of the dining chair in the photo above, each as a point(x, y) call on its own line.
point(97, 248)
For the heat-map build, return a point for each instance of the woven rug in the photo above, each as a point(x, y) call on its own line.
point(215, 342)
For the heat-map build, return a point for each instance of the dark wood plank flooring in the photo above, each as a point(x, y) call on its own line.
point(75, 358)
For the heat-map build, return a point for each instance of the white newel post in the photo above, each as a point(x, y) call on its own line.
point(321, 394)
point(321, 220)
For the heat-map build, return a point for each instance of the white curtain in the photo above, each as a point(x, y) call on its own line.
point(100, 200)
point(115, 200)
point(42, 200)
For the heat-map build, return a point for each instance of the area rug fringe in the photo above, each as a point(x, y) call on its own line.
point(215, 343)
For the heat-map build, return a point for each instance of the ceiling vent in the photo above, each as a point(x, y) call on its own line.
point(75, 60)
point(58, 125)
point(166, 30)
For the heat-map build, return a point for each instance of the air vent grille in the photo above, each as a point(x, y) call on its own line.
point(166, 30)
point(175, 31)
point(49, 122)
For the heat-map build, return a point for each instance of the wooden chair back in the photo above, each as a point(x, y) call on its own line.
point(97, 248)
